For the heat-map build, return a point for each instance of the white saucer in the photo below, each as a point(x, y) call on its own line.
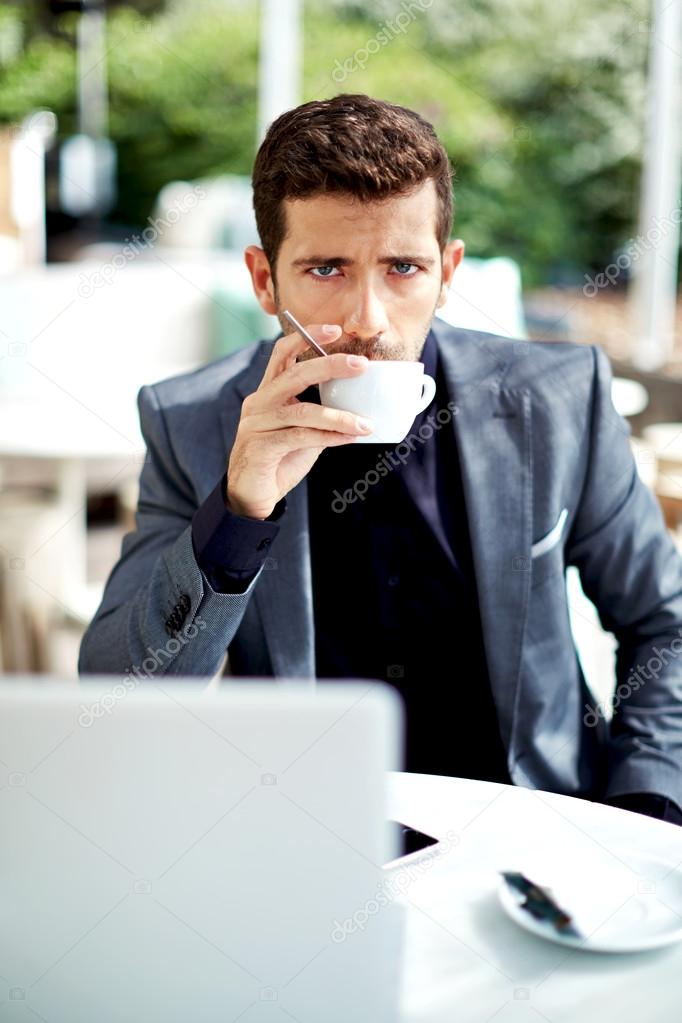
point(618, 906)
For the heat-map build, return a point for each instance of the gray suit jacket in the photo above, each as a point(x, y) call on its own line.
point(549, 480)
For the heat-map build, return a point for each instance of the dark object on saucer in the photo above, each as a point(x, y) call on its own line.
point(540, 904)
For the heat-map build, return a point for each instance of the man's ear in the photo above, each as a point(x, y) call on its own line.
point(261, 278)
point(452, 257)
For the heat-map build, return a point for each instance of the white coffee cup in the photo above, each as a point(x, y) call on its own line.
point(390, 393)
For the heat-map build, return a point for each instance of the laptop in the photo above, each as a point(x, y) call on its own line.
point(170, 851)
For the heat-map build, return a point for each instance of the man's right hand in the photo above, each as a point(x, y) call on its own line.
point(279, 438)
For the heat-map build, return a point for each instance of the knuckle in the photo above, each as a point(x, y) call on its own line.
point(299, 434)
point(244, 430)
point(336, 419)
point(289, 415)
point(299, 374)
point(284, 348)
point(298, 412)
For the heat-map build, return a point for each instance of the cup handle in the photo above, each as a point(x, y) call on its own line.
point(429, 385)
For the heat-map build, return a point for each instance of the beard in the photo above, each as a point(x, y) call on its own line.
point(401, 349)
point(374, 348)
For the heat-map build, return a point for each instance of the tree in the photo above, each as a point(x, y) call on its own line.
point(540, 105)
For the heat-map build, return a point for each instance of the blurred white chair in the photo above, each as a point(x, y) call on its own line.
point(645, 460)
point(629, 396)
point(666, 441)
point(32, 561)
point(221, 215)
point(596, 647)
point(485, 294)
point(10, 254)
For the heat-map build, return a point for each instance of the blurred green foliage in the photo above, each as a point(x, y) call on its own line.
point(540, 105)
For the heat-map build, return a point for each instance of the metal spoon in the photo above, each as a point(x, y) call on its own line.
point(303, 332)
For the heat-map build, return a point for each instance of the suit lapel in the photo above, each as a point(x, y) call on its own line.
point(492, 428)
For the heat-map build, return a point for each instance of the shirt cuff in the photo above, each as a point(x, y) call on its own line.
point(649, 803)
point(231, 549)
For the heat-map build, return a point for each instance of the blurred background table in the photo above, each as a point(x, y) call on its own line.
point(665, 440)
point(50, 435)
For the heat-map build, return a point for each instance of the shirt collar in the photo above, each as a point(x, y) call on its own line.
point(429, 355)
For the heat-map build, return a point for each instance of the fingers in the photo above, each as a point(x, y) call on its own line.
point(299, 437)
point(286, 349)
point(302, 374)
point(316, 418)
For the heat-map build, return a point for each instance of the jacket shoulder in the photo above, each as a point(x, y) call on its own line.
point(203, 385)
point(520, 363)
point(551, 364)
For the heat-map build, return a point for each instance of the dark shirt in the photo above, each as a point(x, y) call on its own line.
point(394, 590)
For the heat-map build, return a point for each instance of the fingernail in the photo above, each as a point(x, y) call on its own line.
point(356, 360)
point(366, 425)
point(330, 328)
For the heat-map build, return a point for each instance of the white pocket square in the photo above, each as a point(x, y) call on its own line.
point(552, 538)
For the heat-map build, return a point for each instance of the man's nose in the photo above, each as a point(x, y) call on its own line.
point(366, 317)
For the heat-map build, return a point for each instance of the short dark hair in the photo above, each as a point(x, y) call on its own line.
point(352, 144)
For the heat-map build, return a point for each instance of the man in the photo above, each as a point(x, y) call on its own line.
point(264, 532)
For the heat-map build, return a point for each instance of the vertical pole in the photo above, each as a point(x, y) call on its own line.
point(279, 65)
point(653, 295)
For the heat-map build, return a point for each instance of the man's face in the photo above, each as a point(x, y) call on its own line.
point(375, 269)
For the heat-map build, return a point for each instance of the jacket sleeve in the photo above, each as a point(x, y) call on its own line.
point(632, 572)
point(159, 615)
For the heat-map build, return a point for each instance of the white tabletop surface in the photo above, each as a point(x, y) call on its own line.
point(465, 960)
point(76, 414)
point(61, 428)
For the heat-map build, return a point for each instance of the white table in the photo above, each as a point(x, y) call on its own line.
point(50, 426)
point(465, 960)
point(77, 341)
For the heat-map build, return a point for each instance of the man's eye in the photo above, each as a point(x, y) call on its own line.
point(322, 272)
point(322, 268)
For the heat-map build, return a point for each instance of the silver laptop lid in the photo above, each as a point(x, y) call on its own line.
point(174, 852)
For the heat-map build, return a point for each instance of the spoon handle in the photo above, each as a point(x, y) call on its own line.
point(303, 332)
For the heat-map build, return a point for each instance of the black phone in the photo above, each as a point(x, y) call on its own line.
point(410, 840)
